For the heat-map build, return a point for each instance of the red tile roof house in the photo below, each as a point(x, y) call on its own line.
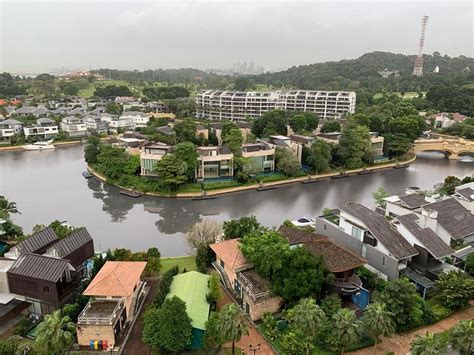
point(252, 291)
point(116, 293)
point(446, 119)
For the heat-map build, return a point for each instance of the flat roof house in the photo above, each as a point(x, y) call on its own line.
point(150, 154)
point(253, 292)
point(10, 127)
point(44, 128)
point(116, 293)
point(74, 126)
point(192, 288)
point(262, 157)
point(214, 162)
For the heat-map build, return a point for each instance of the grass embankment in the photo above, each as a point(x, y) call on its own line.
point(183, 262)
point(407, 96)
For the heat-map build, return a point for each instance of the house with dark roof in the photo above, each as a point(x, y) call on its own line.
point(340, 261)
point(371, 236)
point(46, 282)
point(10, 127)
point(424, 268)
point(465, 195)
point(46, 270)
point(44, 128)
point(252, 291)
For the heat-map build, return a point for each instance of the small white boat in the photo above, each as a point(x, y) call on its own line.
point(39, 145)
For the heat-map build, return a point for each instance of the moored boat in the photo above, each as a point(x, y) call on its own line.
point(39, 145)
point(87, 174)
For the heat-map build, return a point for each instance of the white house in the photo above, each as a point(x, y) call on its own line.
point(95, 123)
point(138, 118)
point(74, 126)
point(44, 128)
point(10, 127)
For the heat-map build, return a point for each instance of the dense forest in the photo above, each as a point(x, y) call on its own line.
point(362, 73)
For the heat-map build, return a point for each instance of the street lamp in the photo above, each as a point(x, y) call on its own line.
point(254, 348)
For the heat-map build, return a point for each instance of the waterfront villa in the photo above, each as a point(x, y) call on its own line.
point(150, 155)
point(138, 119)
point(340, 261)
point(369, 235)
point(262, 157)
point(44, 128)
point(192, 288)
point(376, 141)
point(10, 127)
point(74, 126)
point(214, 162)
point(96, 124)
point(251, 290)
point(116, 294)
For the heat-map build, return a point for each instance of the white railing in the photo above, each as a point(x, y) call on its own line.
point(88, 319)
point(248, 287)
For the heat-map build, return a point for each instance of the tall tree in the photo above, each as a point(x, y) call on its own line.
point(233, 323)
point(172, 171)
point(168, 327)
point(287, 162)
point(354, 144)
point(7, 208)
point(55, 334)
point(186, 151)
point(461, 337)
point(428, 344)
point(238, 228)
point(202, 234)
point(233, 140)
point(454, 289)
point(331, 126)
point(379, 322)
point(308, 319)
point(320, 156)
point(346, 329)
point(379, 197)
point(185, 131)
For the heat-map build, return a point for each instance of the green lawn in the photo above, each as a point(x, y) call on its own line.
point(408, 95)
point(182, 261)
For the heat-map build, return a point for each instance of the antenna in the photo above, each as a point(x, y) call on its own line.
point(418, 69)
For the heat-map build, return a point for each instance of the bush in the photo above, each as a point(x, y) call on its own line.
point(22, 326)
point(165, 284)
point(270, 325)
point(214, 289)
point(439, 310)
point(331, 305)
point(454, 289)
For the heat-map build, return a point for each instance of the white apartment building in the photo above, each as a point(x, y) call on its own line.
point(238, 105)
point(74, 126)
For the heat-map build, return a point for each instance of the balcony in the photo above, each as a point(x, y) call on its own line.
point(101, 311)
point(256, 287)
point(347, 285)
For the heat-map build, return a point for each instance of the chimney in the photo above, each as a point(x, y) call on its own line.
point(428, 219)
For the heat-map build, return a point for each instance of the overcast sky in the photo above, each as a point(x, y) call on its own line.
point(41, 36)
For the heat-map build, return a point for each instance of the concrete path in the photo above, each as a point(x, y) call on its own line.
point(400, 343)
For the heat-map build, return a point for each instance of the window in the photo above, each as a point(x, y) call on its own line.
point(383, 260)
point(357, 233)
point(364, 250)
point(325, 227)
point(222, 263)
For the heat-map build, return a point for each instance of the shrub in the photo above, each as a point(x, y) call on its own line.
point(270, 325)
point(454, 289)
point(165, 284)
point(214, 289)
point(331, 305)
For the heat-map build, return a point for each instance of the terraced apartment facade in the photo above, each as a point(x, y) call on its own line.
point(239, 105)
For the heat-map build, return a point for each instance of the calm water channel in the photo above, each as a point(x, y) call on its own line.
point(48, 185)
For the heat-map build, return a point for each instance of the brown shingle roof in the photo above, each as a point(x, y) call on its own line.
point(335, 256)
point(229, 252)
point(116, 278)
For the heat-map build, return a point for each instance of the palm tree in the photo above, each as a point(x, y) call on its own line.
point(346, 329)
point(7, 207)
point(55, 334)
point(428, 344)
point(379, 322)
point(462, 336)
point(233, 324)
point(308, 319)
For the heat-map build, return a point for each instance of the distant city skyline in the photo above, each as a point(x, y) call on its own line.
point(42, 36)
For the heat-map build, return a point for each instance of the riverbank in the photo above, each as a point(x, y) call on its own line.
point(269, 185)
point(12, 148)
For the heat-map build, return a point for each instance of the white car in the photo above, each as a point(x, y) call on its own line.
point(304, 222)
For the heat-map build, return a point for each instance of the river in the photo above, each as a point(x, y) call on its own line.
point(48, 185)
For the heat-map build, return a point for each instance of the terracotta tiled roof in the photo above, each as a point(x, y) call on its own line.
point(116, 278)
point(229, 252)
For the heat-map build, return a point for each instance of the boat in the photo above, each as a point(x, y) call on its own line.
point(130, 193)
point(265, 188)
point(202, 198)
point(39, 145)
point(339, 176)
point(87, 174)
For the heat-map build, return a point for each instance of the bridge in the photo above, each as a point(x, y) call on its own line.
point(453, 148)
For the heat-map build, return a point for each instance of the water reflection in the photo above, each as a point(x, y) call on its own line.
point(49, 185)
